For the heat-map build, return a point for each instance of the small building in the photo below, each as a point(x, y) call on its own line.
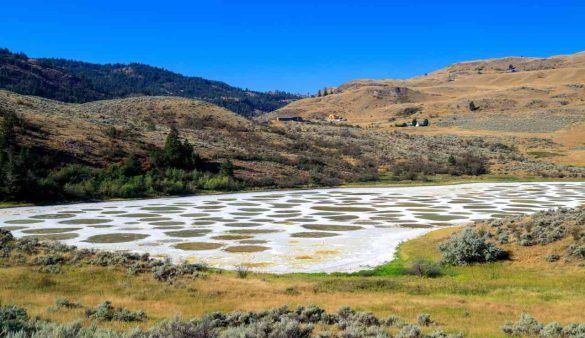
point(336, 118)
point(289, 119)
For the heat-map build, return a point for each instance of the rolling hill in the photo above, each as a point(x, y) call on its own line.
point(517, 85)
point(520, 97)
point(79, 82)
point(102, 132)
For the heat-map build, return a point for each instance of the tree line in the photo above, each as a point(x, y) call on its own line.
point(75, 81)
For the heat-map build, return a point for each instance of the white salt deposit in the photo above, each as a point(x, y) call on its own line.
point(387, 216)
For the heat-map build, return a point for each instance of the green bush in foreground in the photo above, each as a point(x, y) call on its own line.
point(301, 322)
point(12, 319)
point(282, 322)
point(528, 326)
point(425, 268)
point(107, 312)
point(468, 247)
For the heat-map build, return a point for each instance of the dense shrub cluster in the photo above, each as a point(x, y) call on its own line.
point(13, 319)
point(51, 256)
point(301, 322)
point(528, 326)
point(468, 247)
point(542, 228)
point(424, 268)
point(107, 312)
point(417, 166)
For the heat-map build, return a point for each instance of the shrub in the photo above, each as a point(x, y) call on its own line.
point(291, 290)
point(576, 251)
point(424, 268)
point(469, 247)
point(553, 329)
point(526, 326)
point(409, 331)
point(424, 319)
point(242, 271)
point(54, 269)
point(410, 111)
point(441, 334)
point(552, 258)
point(392, 320)
point(5, 237)
point(107, 312)
point(12, 318)
point(49, 260)
point(67, 304)
point(165, 272)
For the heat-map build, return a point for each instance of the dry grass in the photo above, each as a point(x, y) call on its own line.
point(476, 300)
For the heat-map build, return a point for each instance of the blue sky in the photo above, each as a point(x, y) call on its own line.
point(297, 46)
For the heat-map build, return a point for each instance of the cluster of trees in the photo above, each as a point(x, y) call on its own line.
point(325, 92)
point(175, 169)
point(424, 123)
point(17, 176)
point(83, 82)
point(418, 167)
point(19, 75)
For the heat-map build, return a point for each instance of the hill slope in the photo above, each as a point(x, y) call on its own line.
point(106, 131)
point(510, 85)
point(74, 81)
point(519, 97)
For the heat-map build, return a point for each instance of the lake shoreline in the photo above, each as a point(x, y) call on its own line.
point(384, 183)
point(322, 230)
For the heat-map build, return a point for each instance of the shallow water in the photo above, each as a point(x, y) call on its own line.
point(298, 231)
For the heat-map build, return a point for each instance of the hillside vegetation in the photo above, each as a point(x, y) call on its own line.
point(522, 97)
point(75, 81)
point(105, 133)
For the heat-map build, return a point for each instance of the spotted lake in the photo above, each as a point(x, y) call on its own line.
point(285, 231)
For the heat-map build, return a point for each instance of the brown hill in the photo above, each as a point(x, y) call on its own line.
point(526, 97)
point(292, 154)
point(102, 132)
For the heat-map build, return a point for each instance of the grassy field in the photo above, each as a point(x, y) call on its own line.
point(475, 300)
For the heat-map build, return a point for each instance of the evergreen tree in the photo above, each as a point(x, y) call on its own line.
point(176, 154)
point(414, 121)
point(131, 166)
point(173, 148)
point(7, 130)
point(227, 168)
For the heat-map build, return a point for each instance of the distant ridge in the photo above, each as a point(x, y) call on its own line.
point(79, 82)
point(515, 86)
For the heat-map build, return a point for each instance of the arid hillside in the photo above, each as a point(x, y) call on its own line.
point(292, 154)
point(103, 132)
point(522, 97)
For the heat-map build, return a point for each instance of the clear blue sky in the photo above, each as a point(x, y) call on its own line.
point(298, 46)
